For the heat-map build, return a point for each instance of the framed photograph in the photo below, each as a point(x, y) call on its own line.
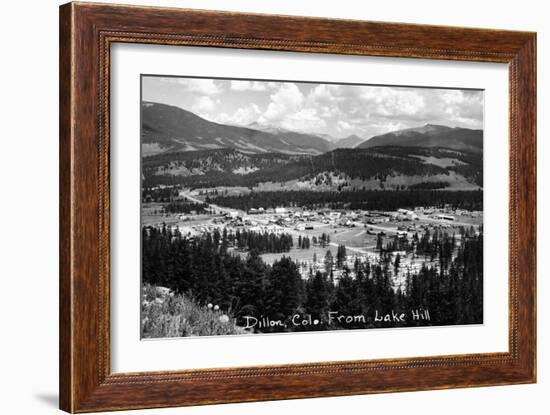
point(258, 207)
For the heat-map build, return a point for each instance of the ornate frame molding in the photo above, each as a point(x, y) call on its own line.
point(87, 32)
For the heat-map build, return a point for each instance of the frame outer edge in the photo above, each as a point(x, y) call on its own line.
point(528, 185)
point(82, 388)
point(66, 373)
point(534, 225)
point(84, 207)
point(66, 120)
point(523, 113)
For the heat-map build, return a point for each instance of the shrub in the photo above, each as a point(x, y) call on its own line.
point(165, 314)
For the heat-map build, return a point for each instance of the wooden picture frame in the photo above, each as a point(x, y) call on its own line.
point(86, 33)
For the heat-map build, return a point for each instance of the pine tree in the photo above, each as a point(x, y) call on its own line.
point(285, 292)
point(396, 263)
point(317, 296)
point(379, 242)
point(341, 256)
point(329, 263)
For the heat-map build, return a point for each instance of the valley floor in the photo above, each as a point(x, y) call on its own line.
point(358, 232)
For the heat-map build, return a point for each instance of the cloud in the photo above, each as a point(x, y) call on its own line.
point(242, 116)
point(370, 110)
point(464, 106)
point(343, 125)
point(286, 101)
point(254, 86)
point(355, 109)
point(307, 119)
point(394, 102)
point(204, 104)
point(324, 94)
point(338, 110)
point(196, 85)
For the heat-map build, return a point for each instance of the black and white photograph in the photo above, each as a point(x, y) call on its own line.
point(275, 206)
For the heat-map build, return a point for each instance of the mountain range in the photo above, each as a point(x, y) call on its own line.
point(430, 136)
point(167, 128)
point(180, 147)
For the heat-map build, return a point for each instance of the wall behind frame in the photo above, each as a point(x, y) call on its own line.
point(29, 229)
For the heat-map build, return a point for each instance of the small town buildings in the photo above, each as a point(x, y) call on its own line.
point(334, 215)
point(445, 217)
point(411, 215)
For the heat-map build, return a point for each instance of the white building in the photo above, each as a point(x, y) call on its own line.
point(334, 215)
point(411, 215)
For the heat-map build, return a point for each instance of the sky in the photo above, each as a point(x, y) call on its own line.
point(338, 110)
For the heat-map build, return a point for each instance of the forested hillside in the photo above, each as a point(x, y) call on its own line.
point(371, 166)
point(357, 199)
point(431, 136)
point(205, 271)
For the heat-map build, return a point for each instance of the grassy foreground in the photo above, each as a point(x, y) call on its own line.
point(165, 314)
